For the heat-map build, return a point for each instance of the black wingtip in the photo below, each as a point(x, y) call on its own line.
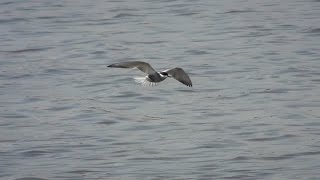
point(109, 65)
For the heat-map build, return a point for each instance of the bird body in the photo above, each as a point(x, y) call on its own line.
point(153, 77)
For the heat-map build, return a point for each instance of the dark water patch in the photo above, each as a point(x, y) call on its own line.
point(312, 124)
point(34, 153)
point(31, 178)
point(277, 91)
point(126, 95)
point(76, 55)
point(32, 99)
point(294, 116)
point(306, 52)
point(145, 117)
point(106, 140)
point(186, 13)
point(13, 116)
point(213, 72)
point(260, 27)
point(256, 34)
point(123, 9)
point(125, 143)
point(288, 26)
point(241, 158)
point(125, 15)
point(272, 53)
point(27, 50)
point(290, 156)
point(197, 52)
point(213, 90)
point(293, 70)
point(84, 116)
point(301, 105)
point(246, 133)
point(21, 76)
point(83, 171)
point(107, 122)
point(80, 42)
point(156, 158)
point(273, 138)
point(221, 97)
point(260, 124)
point(98, 52)
point(235, 11)
point(217, 114)
point(96, 84)
point(221, 144)
point(315, 73)
point(13, 20)
point(234, 127)
point(150, 98)
point(97, 23)
point(140, 127)
point(248, 109)
point(48, 17)
point(241, 176)
point(313, 31)
point(7, 141)
point(144, 42)
point(59, 108)
point(53, 71)
point(7, 3)
point(186, 90)
point(124, 108)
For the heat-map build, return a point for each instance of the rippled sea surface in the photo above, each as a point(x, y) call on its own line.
point(253, 113)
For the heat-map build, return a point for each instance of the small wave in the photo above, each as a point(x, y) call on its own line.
point(272, 91)
point(14, 116)
point(197, 52)
point(6, 3)
point(150, 98)
point(124, 15)
point(289, 156)
point(31, 178)
point(239, 11)
point(81, 171)
point(241, 158)
point(272, 138)
point(312, 31)
point(144, 42)
point(21, 76)
point(59, 108)
point(34, 153)
point(187, 14)
point(26, 50)
point(127, 94)
point(107, 122)
point(13, 20)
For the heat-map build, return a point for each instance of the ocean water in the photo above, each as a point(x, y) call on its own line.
point(253, 111)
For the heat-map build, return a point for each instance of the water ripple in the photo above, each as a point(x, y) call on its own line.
point(290, 156)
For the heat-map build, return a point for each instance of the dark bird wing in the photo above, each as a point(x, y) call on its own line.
point(180, 75)
point(143, 66)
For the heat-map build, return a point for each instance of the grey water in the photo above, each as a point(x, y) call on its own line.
point(253, 113)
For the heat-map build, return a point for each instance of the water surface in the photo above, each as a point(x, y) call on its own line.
point(253, 112)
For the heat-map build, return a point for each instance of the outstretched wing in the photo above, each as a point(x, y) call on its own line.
point(143, 66)
point(180, 75)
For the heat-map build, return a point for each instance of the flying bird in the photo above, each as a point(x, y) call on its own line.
point(153, 77)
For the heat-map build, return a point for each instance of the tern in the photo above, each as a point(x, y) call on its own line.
point(153, 77)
